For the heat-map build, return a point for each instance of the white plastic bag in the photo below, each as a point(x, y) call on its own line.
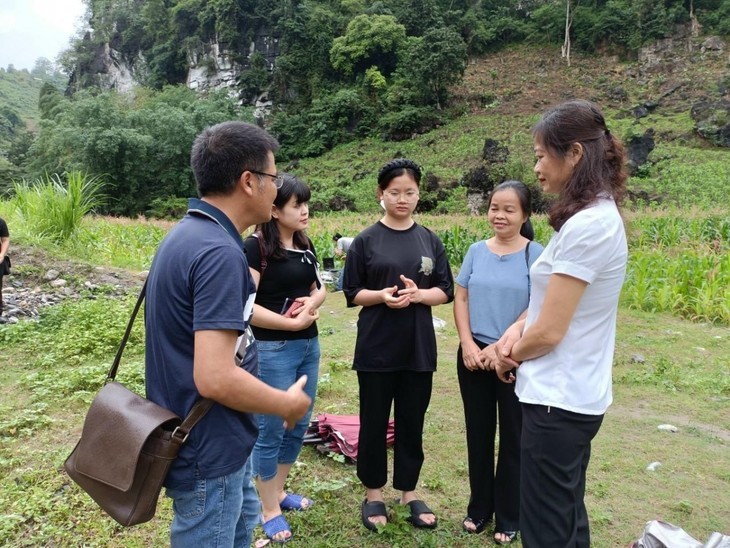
point(660, 534)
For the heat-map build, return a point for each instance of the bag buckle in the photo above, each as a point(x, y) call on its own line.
point(175, 437)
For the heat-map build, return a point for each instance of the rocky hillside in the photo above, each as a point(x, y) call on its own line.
point(675, 75)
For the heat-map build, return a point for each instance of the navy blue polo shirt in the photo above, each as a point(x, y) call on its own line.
point(199, 280)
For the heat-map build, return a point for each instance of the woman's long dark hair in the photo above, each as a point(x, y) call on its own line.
point(269, 232)
point(601, 169)
point(525, 198)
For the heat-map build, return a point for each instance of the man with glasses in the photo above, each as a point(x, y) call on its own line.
point(278, 179)
point(198, 306)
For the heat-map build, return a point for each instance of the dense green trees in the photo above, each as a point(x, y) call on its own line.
point(336, 70)
point(139, 146)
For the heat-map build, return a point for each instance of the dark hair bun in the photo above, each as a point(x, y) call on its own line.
point(386, 172)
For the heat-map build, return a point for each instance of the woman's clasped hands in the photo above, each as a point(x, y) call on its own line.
point(305, 315)
point(401, 298)
point(504, 363)
point(475, 359)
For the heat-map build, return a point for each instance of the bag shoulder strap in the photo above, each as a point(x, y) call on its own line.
point(118, 358)
point(200, 408)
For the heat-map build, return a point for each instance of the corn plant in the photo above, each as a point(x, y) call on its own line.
point(53, 209)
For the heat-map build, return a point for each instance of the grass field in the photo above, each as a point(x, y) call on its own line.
point(668, 370)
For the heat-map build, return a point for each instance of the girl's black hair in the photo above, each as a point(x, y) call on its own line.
point(396, 168)
point(525, 197)
point(269, 232)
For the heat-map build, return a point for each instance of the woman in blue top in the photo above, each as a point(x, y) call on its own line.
point(492, 292)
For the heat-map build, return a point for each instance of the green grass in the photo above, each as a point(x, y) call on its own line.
point(682, 171)
point(684, 380)
point(668, 370)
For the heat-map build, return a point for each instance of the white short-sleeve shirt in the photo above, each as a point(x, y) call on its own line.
point(576, 374)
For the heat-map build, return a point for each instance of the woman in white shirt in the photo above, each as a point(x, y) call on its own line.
point(561, 355)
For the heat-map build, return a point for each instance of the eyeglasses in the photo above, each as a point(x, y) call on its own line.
point(278, 179)
point(409, 196)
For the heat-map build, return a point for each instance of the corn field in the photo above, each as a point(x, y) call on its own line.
point(679, 260)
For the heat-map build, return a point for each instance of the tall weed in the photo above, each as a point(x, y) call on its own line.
point(53, 209)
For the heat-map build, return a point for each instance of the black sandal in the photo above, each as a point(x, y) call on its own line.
point(372, 510)
point(511, 536)
point(479, 525)
point(418, 507)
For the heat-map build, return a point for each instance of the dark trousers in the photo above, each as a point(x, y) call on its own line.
point(484, 395)
point(556, 448)
point(410, 393)
point(1, 293)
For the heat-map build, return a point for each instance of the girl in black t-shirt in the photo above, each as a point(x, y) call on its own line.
point(396, 270)
point(4, 245)
point(289, 293)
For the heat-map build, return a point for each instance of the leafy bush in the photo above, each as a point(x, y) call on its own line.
point(399, 125)
point(167, 208)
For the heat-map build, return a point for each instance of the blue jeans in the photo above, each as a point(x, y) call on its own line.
point(340, 280)
point(216, 513)
point(281, 363)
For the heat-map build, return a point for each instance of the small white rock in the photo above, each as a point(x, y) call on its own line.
point(438, 323)
point(653, 466)
point(668, 428)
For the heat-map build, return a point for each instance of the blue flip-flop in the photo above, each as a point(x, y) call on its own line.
point(275, 526)
point(292, 501)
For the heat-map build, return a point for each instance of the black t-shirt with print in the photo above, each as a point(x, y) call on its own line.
point(283, 278)
point(396, 339)
point(4, 233)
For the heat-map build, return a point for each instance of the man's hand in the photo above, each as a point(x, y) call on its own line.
point(297, 403)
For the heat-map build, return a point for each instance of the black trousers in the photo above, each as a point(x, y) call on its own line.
point(556, 448)
point(410, 393)
point(1, 293)
point(484, 395)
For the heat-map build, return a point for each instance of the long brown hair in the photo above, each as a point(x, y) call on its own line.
point(601, 169)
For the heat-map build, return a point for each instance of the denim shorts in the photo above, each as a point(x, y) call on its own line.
point(281, 363)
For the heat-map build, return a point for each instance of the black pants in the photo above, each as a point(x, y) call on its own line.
point(484, 395)
point(1, 292)
point(556, 448)
point(410, 393)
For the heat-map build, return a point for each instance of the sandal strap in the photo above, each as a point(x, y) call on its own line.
point(374, 509)
point(419, 507)
point(275, 526)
